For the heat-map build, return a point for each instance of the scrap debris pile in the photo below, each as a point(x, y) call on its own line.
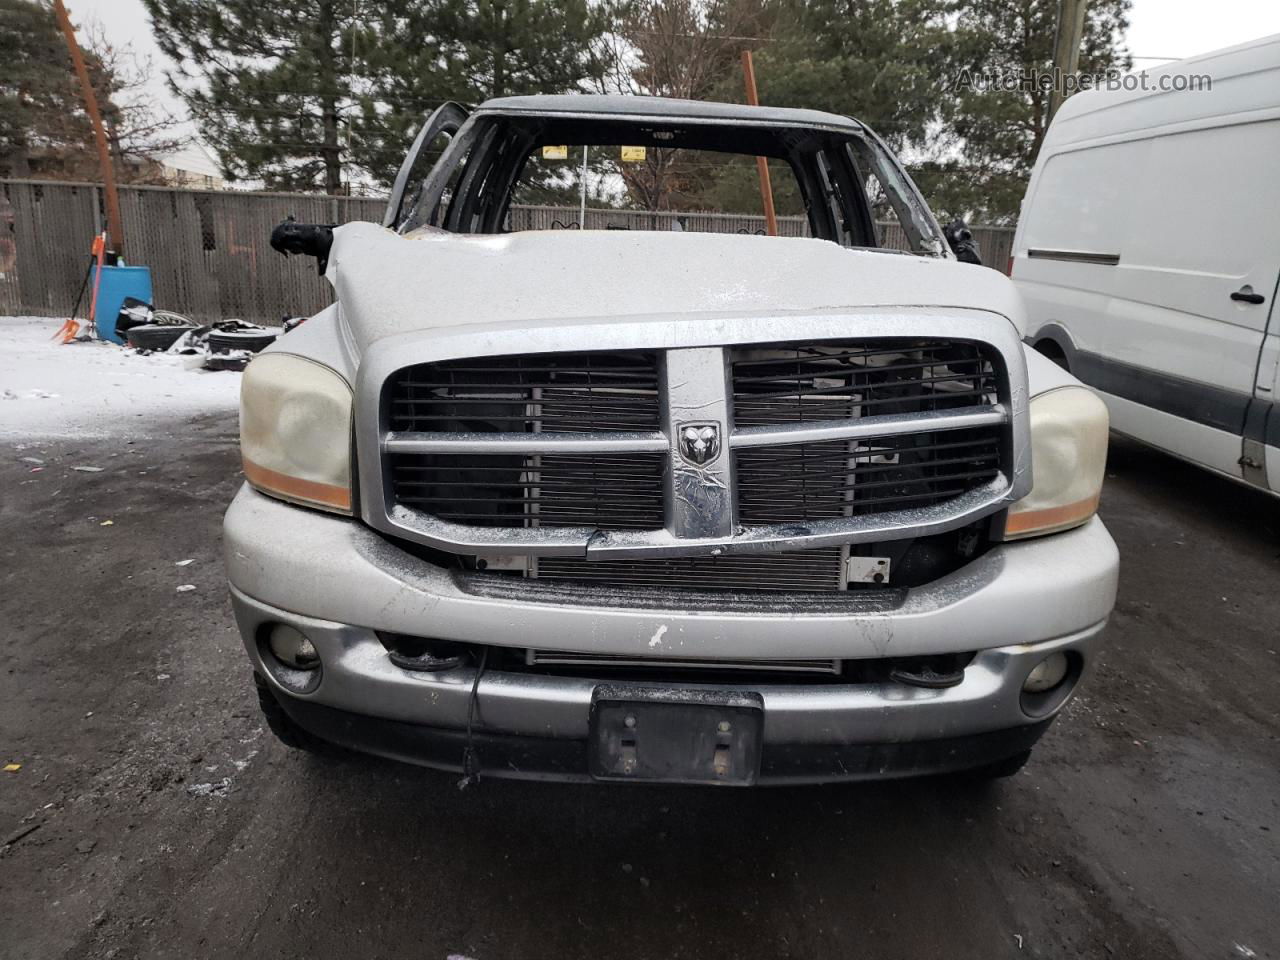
point(224, 345)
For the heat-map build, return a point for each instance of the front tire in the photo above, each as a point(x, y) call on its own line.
point(280, 723)
point(1000, 769)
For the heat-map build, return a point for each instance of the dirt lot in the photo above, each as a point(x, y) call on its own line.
point(153, 816)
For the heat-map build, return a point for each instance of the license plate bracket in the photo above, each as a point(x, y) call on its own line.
point(674, 735)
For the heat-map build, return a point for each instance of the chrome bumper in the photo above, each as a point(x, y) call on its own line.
point(338, 582)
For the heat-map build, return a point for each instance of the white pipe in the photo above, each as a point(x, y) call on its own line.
point(582, 206)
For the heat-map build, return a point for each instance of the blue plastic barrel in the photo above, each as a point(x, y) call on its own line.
point(118, 283)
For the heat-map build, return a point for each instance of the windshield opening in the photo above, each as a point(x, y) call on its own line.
point(509, 173)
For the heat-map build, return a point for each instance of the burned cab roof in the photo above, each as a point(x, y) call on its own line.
point(681, 124)
point(665, 110)
point(833, 160)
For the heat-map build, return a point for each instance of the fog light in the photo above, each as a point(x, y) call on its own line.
point(292, 648)
point(1047, 674)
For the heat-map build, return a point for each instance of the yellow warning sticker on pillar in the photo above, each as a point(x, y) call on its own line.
point(560, 152)
point(633, 154)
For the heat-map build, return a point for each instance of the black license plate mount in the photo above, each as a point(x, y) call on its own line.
point(675, 735)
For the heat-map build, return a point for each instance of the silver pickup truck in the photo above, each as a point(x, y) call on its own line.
point(664, 505)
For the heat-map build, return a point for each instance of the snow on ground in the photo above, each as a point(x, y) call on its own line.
point(98, 389)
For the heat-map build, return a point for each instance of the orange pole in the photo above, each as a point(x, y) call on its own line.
point(762, 165)
point(99, 133)
point(99, 251)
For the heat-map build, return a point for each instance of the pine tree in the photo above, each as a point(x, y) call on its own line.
point(882, 61)
point(419, 53)
point(685, 49)
point(995, 134)
point(292, 91)
point(268, 83)
point(885, 62)
point(44, 129)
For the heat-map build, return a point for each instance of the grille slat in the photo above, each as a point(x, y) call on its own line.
point(533, 491)
point(802, 383)
point(550, 393)
point(805, 383)
point(543, 393)
point(839, 478)
point(795, 572)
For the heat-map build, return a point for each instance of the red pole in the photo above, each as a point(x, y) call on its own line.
point(99, 133)
point(762, 165)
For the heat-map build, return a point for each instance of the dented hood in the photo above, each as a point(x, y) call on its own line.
point(389, 284)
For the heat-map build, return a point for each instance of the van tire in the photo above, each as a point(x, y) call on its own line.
point(1050, 349)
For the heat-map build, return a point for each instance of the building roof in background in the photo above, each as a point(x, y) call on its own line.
point(193, 157)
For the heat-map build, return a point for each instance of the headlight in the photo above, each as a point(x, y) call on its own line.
point(295, 431)
point(1068, 458)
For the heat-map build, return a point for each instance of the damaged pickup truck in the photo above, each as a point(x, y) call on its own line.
point(664, 505)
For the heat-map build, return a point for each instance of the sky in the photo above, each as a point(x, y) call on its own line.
point(1159, 29)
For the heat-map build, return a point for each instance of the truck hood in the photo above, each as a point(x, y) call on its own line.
point(389, 284)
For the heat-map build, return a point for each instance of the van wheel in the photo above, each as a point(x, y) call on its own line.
point(1054, 352)
point(286, 731)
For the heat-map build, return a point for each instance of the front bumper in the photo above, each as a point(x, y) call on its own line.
point(338, 582)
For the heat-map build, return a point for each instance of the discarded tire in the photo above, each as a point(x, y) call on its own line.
point(226, 361)
point(155, 337)
point(221, 341)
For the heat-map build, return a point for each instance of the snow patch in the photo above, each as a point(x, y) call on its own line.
point(217, 788)
point(97, 389)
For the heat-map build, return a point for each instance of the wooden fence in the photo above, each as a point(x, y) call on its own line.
point(209, 255)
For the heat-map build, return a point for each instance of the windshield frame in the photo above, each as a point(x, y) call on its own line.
point(493, 144)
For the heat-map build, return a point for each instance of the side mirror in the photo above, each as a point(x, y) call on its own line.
point(312, 239)
point(960, 240)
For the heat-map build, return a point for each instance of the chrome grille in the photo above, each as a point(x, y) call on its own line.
point(825, 444)
point(804, 383)
point(800, 571)
point(808, 383)
point(841, 478)
point(544, 393)
point(598, 491)
point(539, 393)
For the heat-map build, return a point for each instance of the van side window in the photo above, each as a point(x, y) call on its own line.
point(1080, 200)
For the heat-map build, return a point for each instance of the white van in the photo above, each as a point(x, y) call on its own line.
point(1148, 252)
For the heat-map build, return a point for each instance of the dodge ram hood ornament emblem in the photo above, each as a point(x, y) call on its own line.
point(699, 442)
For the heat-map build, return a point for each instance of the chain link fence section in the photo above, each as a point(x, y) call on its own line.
point(45, 231)
point(566, 218)
point(996, 243)
point(210, 255)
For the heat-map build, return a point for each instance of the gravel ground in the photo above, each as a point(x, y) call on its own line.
point(153, 815)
